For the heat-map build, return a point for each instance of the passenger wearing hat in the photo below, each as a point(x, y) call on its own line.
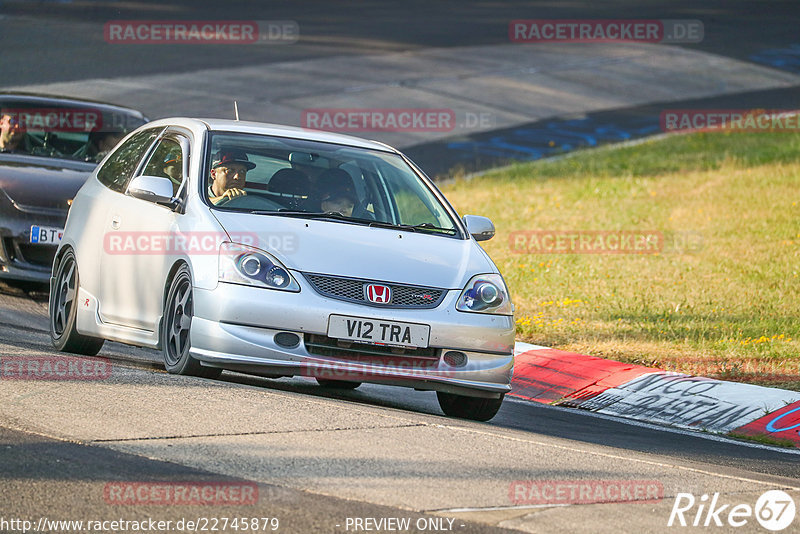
point(228, 171)
point(172, 168)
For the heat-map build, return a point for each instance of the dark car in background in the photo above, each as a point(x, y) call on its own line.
point(58, 143)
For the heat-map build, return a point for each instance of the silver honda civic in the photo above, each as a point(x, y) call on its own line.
point(280, 251)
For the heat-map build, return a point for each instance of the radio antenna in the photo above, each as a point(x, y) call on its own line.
point(236, 109)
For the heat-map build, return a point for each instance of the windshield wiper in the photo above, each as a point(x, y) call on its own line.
point(310, 215)
point(288, 213)
point(429, 226)
point(412, 227)
point(338, 216)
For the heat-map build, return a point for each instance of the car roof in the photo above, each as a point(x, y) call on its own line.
point(44, 99)
point(277, 130)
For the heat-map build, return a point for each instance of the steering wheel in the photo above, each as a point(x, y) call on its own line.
point(251, 200)
point(44, 147)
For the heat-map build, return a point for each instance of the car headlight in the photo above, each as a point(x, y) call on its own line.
point(240, 264)
point(485, 293)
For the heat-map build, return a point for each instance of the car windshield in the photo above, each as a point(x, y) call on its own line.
point(299, 178)
point(74, 131)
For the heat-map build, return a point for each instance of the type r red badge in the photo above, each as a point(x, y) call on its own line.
point(378, 294)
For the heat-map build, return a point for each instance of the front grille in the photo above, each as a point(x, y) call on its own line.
point(412, 358)
point(39, 255)
point(352, 290)
point(42, 255)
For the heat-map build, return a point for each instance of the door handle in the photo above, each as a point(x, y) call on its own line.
point(115, 222)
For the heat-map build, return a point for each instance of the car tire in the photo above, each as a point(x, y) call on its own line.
point(463, 407)
point(337, 384)
point(178, 311)
point(64, 310)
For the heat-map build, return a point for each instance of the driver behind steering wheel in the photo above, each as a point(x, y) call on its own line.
point(12, 133)
point(228, 172)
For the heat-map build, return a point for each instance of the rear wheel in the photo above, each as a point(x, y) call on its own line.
point(64, 309)
point(463, 407)
point(177, 325)
point(337, 384)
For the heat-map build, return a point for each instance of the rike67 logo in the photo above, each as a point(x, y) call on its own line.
point(774, 510)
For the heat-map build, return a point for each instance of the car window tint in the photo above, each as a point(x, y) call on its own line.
point(119, 168)
point(167, 162)
point(359, 183)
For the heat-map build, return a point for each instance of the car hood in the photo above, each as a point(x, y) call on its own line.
point(42, 185)
point(342, 249)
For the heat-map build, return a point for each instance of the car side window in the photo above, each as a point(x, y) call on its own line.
point(167, 161)
point(119, 168)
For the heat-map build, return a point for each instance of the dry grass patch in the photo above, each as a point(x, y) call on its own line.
point(723, 305)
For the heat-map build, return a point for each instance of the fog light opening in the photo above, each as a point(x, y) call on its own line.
point(454, 358)
point(287, 340)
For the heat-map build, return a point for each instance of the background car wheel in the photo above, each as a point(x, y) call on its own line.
point(475, 408)
point(63, 310)
point(337, 384)
point(177, 324)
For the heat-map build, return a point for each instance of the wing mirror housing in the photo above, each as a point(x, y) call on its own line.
point(156, 189)
point(481, 228)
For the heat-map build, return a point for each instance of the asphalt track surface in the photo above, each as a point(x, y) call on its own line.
point(61, 443)
point(63, 47)
point(320, 457)
point(52, 46)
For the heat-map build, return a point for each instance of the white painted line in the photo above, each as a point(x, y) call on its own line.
point(493, 508)
point(665, 465)
point(521, 348)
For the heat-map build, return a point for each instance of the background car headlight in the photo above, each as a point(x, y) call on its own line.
point(247, 265)
point(485, 293)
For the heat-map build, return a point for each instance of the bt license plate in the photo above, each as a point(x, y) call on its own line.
point(46, 235)
point(378, 332)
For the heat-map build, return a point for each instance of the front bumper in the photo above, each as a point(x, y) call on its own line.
point(21, 260)
point(234, 327)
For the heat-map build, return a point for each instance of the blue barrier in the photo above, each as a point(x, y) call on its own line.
point(553, 137)
point(781, 58)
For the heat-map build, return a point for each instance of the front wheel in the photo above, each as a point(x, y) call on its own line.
point(463, 407)
point(177, 325)
point(64, 310)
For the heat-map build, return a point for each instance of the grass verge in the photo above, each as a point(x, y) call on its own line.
point(763, 439)
point(720, 299)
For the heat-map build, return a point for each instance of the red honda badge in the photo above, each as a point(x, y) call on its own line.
point(378, 294)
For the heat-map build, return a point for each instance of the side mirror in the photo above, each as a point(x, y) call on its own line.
point(155, 189)
point(481, 228)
